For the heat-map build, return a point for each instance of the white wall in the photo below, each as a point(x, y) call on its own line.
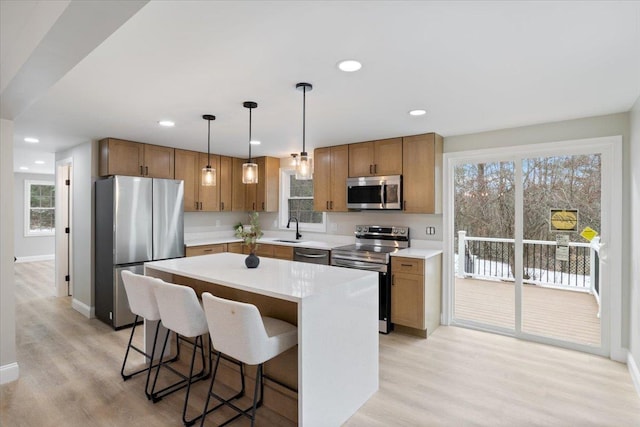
point(32, 246)
point(590, 127)
point(634, 340)
point(84, 173)
point(8, 362)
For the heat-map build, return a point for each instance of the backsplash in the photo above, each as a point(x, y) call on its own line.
point(337, 223)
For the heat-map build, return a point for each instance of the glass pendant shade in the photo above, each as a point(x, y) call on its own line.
point(208, 176)
point(249, 173)
point(304, 170)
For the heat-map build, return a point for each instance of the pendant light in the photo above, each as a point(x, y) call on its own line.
point(250, 169)
point(304, 168)
point(208, 172)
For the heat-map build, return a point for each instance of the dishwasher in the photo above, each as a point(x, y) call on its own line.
point(313, 256)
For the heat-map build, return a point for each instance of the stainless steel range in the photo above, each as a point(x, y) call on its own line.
point(372, 251)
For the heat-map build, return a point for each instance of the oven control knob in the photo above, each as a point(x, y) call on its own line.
point(359, 229)
point(403, 231)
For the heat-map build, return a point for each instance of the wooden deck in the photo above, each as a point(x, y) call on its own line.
point(561, 314)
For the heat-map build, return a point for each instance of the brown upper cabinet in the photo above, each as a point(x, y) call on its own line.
point(120, 157)
point(331, 166)
point(260, 197)
point(375, 158)
point(422, 173)
point(197, 197)
point(226, 179)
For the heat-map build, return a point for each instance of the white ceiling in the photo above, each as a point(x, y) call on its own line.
point(474, 66)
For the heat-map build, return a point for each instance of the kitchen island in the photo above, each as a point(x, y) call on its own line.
point(335, 309)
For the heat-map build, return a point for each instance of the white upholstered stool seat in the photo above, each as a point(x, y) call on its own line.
point(181, 313)
point(238, 330)
point(142, 303)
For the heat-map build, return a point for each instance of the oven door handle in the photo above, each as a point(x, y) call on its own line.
point(359, 265)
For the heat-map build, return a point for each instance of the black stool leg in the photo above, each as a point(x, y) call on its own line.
point(126, 355)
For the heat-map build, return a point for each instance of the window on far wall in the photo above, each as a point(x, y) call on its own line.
point(296, 200)
point(39, 207)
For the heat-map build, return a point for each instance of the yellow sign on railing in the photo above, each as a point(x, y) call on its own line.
point(588, 233)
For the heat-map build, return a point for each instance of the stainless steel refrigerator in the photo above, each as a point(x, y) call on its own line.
point(136, 220)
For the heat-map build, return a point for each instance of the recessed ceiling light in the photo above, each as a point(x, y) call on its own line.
point(349, 65)
point(24, 168)
point(39, 162)
point(166, 123)
point(417, 112)
point(254, 142)
point(31, 140)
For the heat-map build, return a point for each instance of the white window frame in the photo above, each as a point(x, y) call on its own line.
point(27, 209)
point(284, 206)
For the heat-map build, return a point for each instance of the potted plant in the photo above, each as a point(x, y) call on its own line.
point(250, 235)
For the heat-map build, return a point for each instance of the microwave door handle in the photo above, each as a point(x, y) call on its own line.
point(383, 193)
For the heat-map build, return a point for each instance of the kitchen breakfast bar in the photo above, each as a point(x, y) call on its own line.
point(334, 368)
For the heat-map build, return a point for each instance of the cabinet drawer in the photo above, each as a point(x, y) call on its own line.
point(206, 249)
point(407, 265)
point(235, 248)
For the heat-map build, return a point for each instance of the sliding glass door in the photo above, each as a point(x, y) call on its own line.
point(525, 238)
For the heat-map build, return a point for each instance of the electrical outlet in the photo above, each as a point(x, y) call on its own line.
point(431, 231)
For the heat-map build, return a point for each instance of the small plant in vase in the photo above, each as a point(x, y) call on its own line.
point(250, 235)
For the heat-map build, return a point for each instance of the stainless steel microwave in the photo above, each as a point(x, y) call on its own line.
point(374, 192)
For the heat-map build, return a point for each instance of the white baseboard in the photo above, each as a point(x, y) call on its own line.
point(634, 371)
point(82, 308)
point(34, 258)
point(9, 373)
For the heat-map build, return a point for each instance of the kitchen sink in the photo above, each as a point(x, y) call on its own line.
point(287, 241)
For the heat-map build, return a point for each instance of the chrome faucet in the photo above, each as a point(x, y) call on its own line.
point(293, 218)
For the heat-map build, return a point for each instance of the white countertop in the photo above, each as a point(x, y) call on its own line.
point(287, 280)
point(417, 253)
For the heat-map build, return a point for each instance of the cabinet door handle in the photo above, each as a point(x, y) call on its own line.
point(262, 205)
point(208, 250)
point(141, 170)
point(407, 265)
point(146, 170)
point(200, 205)
point(253, 206)
point(375, 168)
point(405, 205)
point(370, 169)
point(327, 205)
point(196, 203)
point(221, 206)
point(331, 205)
point(393, 280)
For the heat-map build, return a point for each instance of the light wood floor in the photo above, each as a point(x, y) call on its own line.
point(69, 376)
point(567, 315)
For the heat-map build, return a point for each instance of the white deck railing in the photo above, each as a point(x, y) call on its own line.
point(492, 259)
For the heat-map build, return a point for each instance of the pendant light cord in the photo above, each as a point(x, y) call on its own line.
point(304, 117)
point(209, 144)
point(250, 134)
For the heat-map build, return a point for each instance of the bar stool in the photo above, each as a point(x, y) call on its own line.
point(181, 313)
point(142, 302)
point(238, 330)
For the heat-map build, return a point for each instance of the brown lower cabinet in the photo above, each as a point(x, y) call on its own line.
point(206, 249)
point(264, 250)
point(416, 293)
